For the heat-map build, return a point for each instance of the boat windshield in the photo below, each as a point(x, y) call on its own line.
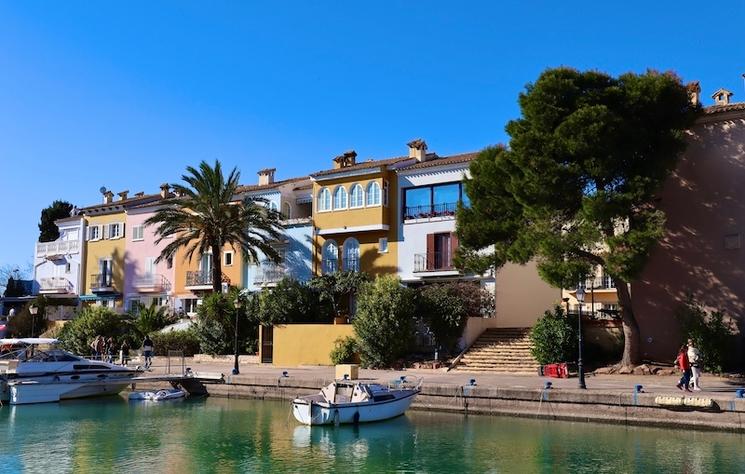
point(38, 354)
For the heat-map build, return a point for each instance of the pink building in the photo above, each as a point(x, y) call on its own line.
point(145, 281)
point(702, 252)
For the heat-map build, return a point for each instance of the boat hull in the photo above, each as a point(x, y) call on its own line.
point(24, 393)
point(312, 413)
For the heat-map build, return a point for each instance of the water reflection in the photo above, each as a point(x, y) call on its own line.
point(218, 435)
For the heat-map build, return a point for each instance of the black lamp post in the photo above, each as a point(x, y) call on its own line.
point(33, 309)
point(237, 305)
point(580, 295)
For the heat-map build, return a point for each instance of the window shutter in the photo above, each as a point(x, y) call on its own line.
point(121, 230)
point(430, 251)
point(453, 248)
point(88, 233)
point(105, 231)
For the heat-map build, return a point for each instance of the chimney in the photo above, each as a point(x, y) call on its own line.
point(164, 190)
point(694, 92)
point(266, 176)
point(721, 97)
point(418, 149)
point(108, 197)
point(348, 158)
point(140, 194)
point(123, 195)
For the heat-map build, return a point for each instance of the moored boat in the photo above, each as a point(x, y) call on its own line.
point(350, 401)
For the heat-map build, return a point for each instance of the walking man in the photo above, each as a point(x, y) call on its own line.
point(147, 351)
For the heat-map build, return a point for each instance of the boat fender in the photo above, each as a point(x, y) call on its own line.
point(696, 402)
point(356, 418)
point(669, 401)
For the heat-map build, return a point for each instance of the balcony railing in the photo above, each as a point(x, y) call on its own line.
point(600, 283)
point(151, 283)
point(55, 249)
point(102, 282)
point(430, 210)
point(198, 278)
point(58, 285)
point(433, 262)
point(270, 274)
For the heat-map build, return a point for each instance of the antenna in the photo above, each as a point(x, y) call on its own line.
point(102, 189)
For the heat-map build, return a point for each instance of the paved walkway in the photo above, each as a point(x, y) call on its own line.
point(595, 383)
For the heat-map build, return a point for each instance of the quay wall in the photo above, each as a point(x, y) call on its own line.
point(556, 404)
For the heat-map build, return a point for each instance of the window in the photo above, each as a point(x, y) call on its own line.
point(272, 205)
point(373, 194)
point(105, 271)
point(228, 258)
point(190, 305)
point(324, 200)
point(340, 198)
point(433, 201)
point(351, 255)
point(94, 232)
point(329, 257)
point(158, 301)
point(385, 193)
point(116, 230)
point(138, 232)
point(68, 267)
point(382, 245)
point(286, 210)
point(357, 196)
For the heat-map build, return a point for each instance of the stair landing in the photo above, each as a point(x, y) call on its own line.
point(500, 350)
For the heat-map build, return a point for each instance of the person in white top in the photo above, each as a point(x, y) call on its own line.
point(694, 356)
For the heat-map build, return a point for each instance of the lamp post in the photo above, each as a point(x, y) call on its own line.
point(33, 309)
point(580, 295)
point(237, 305)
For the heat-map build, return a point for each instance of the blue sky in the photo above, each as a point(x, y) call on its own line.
point(125, 95)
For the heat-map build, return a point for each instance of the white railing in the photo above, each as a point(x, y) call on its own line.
point(62, 247)
point(270, 274)
point(55, 285)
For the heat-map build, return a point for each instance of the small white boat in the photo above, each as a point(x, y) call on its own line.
point(350, 401)
point(159, 396)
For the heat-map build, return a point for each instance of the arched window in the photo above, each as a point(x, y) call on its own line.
point(373, 194)
point(340, 198)
point(272, 205)
point(324, 200)
point(356, 196)
point(351, 258)
point(329, 257)
point(286, 210)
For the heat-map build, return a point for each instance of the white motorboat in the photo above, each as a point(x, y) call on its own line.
point(350, 401)
point(37, 371)
point(159, 396)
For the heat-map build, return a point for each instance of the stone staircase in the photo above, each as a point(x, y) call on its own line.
point(500, 350)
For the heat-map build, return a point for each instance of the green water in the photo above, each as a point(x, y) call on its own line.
point(219, 435)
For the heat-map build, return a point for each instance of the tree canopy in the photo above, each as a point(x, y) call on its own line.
point(575, 189)
point(48, 231)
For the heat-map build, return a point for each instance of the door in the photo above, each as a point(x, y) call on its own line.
point(442, 256)
point(267, 344)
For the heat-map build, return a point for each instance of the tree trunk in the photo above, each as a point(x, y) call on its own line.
point(630, 327)
point(216, 269)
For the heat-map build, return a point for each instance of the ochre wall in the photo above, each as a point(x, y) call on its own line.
point(521, 296)
point(306, 344)
point(105, 248)
point(183, 265)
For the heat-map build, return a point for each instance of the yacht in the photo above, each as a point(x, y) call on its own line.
point(36, 370)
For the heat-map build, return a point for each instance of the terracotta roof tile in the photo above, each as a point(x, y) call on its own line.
point(713, 109)
point(361, 166)
point(262, 187)
point(442, 161)
point(131, 202)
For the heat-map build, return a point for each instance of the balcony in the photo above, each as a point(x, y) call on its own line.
point(269, 275)
point(430, 210)
point(56, 250)
point(199, 280)
point(102, 283)
point(600, 284)
point(151, 284)
point(440, 262)
point(55, 286)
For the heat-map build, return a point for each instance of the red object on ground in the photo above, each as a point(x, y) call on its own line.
point(557, 371)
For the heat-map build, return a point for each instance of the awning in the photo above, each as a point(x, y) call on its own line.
point(307, 199)
point(99, 297)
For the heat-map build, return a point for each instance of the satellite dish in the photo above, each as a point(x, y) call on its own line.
point(102, 189)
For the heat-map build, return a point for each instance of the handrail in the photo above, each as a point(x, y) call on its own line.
point(430, 210)
point(433, 261)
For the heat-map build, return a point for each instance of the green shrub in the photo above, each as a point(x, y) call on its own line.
point(184, 340)
point(345, 351)
point(292, 302)
point(215, 324)
point(335, 289)
point(92, 321)
point(384, 322)
point(554, 338)
point(711, 334)
point(149, 319)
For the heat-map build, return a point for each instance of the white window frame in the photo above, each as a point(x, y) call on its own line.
point(119, 226)
point(225, 258)
point(383, 245)
point(340, 191)
point(97, 229)
point(370, 193)
point(355, 187)
point(325, 255)
point(324, 200)
point(138, 229)
point(351, 248)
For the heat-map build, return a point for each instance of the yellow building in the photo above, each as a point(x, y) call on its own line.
point(355, 216)
point(105, 263)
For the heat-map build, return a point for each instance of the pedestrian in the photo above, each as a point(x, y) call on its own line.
point(110, 350)
point(94, 347)
point(147, 351)
point(694, 357)
point(100, 347)
point(124, 353)
point(684, 365)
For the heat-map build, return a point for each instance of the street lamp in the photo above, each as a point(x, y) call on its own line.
point(580, 295)
point(237, 305)
point(33, 309)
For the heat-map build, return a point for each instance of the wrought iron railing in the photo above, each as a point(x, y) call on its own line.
point(430, 210)
point(433, 262)
point(102, 281)
point(198, 278)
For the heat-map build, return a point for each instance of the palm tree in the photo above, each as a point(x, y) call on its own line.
point(203, 216)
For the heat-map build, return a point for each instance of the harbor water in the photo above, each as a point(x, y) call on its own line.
point(221, 435)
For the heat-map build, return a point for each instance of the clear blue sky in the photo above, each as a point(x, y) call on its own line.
point(126, 94)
